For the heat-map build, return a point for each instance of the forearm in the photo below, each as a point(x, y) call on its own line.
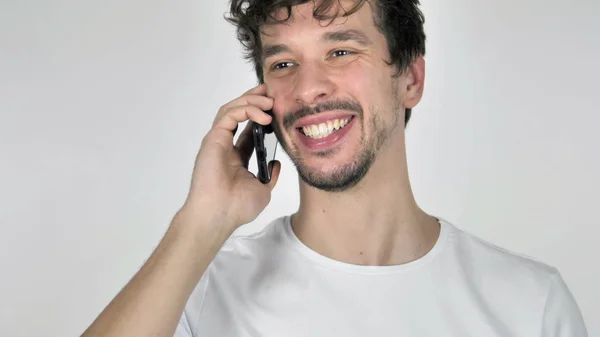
point(153, 301)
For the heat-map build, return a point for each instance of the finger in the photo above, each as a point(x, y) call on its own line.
point(255, 96)
point(263, 102)
point(260, 89)
point(275, 169)
point(230, 120)
point(245, 144)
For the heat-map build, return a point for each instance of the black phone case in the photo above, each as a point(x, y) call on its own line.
point(259, 132)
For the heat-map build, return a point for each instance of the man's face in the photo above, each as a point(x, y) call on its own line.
point(336, 101)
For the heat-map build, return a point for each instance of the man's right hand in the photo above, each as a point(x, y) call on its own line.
point(223, 196)
point(221, 181)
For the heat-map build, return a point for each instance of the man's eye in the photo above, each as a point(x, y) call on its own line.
point(338, 53)
point(282, 65)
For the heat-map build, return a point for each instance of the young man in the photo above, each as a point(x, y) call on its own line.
point(359, 257)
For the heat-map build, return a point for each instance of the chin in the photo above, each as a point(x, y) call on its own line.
point(338, 177)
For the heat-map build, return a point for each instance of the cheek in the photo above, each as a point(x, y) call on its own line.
point(280, 91)
point(355, 79)
point(373, 91)
point(363, 80)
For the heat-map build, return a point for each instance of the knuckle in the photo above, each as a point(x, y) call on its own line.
point(222, 110)
point(218, 117)
point(207, 138)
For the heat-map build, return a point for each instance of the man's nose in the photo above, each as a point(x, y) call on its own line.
point(312, 85)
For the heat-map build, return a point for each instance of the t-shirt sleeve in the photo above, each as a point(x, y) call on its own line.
point(562, 316)
point(188, 323)
point(183, 328)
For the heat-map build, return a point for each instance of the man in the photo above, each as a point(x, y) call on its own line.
point(359, 257)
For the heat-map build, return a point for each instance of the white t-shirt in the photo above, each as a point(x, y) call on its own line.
point(271, 284)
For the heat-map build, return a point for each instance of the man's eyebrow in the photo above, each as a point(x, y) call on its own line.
point(337, 36)
point(272, 50)
point(347, 35)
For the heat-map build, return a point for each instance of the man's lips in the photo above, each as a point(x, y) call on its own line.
point(322, 118)
point(316, 144)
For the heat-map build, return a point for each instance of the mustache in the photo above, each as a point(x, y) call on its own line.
point(291, 118)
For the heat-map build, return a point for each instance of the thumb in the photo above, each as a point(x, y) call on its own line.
point(275, 169)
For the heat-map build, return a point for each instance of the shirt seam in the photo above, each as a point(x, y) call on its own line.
point(547, 297)
point(204, 292)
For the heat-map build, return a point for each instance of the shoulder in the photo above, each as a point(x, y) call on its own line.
point(479, 255)
point(510, 284)
point(239, 260)
point(255, 244)
point(514, 285)
point(242, 255)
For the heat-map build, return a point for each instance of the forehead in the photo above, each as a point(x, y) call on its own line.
point(302, 23)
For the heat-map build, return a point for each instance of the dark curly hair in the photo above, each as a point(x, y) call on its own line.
point(400, 21)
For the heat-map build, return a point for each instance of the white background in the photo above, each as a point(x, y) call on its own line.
point(103, 106)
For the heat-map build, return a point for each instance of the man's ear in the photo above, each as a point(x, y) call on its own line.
point(415, 80)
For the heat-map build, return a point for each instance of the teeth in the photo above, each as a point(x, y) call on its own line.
point(314, 131)
point(324, 129)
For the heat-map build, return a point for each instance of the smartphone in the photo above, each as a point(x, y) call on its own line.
point(262, 147)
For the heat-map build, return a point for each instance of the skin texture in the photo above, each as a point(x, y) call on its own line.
point(371, 219)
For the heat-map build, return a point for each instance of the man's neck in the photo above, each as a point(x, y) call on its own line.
point(376, 223)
